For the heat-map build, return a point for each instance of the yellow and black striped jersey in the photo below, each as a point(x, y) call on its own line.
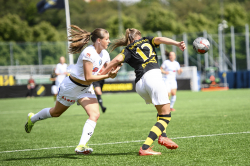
point(141, 56)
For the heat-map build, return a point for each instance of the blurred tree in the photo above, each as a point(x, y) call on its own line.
point(12, 28)
point(198, 22)
point(162, 20)
point(45, 32)
point(235, 15)
point(113, 25)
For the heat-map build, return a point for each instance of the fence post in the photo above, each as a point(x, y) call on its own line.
point(162, 47)
point(206, 54)
point(247, 47)
point(186, 50)
point(11, 54)
point(233, 49)
point(174, 47)
point(220, 47)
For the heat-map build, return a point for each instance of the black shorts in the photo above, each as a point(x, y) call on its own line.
point(98, 84)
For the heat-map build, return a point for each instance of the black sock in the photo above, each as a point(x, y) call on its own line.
point(99, 100)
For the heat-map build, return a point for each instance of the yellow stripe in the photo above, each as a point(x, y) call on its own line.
point(163, 123)
point(123, 56)
point(167, 118)
point(156, 130)
point(153, 42)
point(40, 90)
point(148, 141)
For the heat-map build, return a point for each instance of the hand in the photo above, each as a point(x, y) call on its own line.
point(166, 72)
point(181, 45)
point(112, 73)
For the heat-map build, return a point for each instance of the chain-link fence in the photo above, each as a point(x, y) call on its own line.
point(228, 49)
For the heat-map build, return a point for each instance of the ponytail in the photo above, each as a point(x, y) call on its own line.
point(130, 35)
point(79, 38)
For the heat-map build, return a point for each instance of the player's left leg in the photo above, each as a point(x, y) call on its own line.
point(92, 109)
point(173, 99)
point(98, 93)
point(156, 130)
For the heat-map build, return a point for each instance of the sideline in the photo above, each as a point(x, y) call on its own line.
point(125, 142)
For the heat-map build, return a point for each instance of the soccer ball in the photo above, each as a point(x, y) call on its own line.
point(201, 45)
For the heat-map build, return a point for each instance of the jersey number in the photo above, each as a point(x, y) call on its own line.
point(142, 55)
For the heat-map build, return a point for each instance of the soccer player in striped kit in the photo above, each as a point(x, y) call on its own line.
point(140, 54)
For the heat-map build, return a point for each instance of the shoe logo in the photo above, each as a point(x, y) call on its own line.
point(90, 133)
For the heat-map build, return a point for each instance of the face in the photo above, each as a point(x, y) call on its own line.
point(171, 56)
point(62, 60)
point(105, 41)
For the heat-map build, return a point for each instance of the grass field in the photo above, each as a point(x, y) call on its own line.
point(211, 128)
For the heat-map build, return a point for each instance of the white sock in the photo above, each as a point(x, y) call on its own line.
point(87, 132)
point(172, 101)
point(43, 114)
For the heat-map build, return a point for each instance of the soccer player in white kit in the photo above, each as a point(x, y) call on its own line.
point(78, 86)
point(169, 69)
point(140, 54)
point(61, 71)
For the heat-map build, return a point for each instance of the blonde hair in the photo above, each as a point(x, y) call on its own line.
point(79, 38)
point(129, 37)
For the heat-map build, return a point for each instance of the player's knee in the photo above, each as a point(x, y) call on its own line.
point(94, 116)
point(54, 113)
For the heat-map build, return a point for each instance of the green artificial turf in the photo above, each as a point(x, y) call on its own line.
point(211, 128)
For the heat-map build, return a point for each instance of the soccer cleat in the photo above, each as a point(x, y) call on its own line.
point(83, 149)
point(168, 143)
point(28, 126)
point(148, 151)
point(172, 109)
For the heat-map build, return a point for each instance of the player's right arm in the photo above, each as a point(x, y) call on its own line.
point(163, 71)
point(168, 41)
point(116, 62)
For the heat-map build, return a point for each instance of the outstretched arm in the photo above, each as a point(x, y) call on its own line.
point(168, 41)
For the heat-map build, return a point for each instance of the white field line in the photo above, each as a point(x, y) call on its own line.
point(112, 143)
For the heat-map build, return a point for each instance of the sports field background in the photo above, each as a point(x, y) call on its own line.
point(211, 128)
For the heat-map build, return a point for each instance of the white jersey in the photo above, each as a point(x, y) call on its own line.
point(89, 54)
point(60, 69)
point(172, 68)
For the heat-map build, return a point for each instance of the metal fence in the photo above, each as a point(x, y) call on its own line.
point(229, 51)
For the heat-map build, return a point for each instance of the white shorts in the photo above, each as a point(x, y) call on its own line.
point(171, 84)
point(54, 89)
point(69, 92)
point(152, 89)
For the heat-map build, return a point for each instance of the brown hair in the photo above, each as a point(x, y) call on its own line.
point(79, 38)
point(167, 54)
point(129, 37)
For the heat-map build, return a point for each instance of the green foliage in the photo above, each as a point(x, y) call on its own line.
point(162, 20)
point(198, 23)
point(235, 15)
point(113, 25)
point(45, 32)
point(12, 28)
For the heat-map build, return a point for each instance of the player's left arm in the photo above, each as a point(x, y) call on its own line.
point(179, 71)
point(116, 62)
point(168, 41)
